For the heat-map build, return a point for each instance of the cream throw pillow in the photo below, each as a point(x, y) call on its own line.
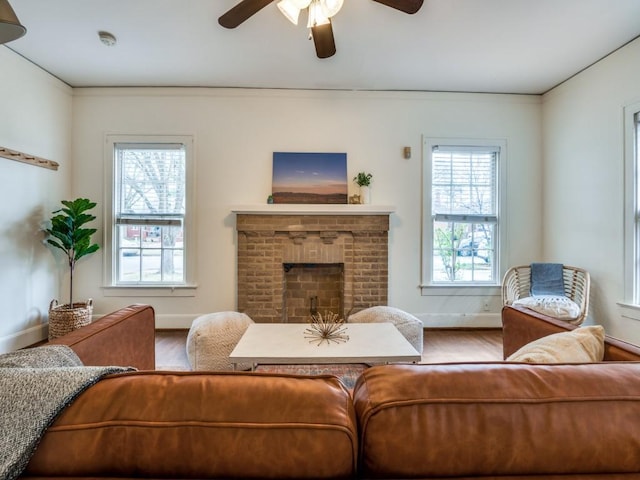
point(582, 345)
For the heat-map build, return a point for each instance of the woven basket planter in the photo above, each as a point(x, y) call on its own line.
point(64, 319)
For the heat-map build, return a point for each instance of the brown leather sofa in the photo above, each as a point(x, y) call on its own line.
point(456, 421)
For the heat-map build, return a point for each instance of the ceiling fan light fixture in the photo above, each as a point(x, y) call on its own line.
point(320, 13)
point(290, 10)
point(301, 4)
point(316, 15)
point(331, 7)
point(10, 27)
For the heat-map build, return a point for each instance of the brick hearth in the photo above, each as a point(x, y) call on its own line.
point(356, 244)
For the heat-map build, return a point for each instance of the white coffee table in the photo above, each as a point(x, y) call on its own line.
point(285, 344)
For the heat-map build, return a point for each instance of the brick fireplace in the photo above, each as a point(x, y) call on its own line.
point(292, 260)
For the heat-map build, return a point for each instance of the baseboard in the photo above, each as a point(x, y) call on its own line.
point(25, 338)
point(460, 320)
point(180, 322)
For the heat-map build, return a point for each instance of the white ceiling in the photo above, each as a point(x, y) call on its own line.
point(501, 46)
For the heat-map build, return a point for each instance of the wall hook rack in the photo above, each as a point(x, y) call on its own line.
point(30, 159)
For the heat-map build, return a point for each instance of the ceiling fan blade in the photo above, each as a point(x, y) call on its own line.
point(406, 6)
point(323, 40)
point(241, 12)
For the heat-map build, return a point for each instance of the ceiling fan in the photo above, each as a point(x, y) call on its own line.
point(320, 13)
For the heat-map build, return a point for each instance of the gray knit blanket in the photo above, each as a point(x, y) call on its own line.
point(36, 384)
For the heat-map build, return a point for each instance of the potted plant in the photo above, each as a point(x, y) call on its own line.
point(363, 180)
point(68, 234)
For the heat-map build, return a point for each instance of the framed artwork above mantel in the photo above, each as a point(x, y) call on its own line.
point(309, 178)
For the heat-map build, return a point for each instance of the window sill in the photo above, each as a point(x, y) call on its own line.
point(150, 291)
point(630, 311)
point(461, 290)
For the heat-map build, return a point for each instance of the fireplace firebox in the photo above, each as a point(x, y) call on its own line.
point(311, 289)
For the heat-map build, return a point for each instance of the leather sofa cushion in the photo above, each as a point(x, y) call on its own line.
point(204, 425)
point(494, 419)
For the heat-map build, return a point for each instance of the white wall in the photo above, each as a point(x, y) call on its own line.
point(584, 180)
point(236, 132)
point(35, 119)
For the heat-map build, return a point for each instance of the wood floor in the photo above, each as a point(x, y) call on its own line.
point(440, 346)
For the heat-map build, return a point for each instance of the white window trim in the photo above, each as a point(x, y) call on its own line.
point(110, 287)
point(428, 288)
point(631, 242)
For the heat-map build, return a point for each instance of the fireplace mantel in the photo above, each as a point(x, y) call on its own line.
point(312, 209)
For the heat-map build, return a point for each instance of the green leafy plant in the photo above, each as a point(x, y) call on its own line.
point(363, 179)
point(67, 233)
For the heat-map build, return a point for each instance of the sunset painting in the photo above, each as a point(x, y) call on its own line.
point(309, 177)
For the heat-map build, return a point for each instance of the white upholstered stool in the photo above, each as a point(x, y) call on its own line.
point(408, 325)
point(213, 337)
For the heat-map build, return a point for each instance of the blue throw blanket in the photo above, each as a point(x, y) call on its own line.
point(36, 384)
point(546, 279)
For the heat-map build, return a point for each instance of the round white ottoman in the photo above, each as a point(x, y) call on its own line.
point(408, 325)
point(213, 337)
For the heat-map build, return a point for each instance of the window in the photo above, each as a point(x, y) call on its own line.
point(150, 236)
point(632, 208)
point(461, 227)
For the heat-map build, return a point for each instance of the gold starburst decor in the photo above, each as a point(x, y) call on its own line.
point(329, 329)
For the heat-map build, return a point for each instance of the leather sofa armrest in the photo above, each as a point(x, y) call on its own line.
point(521, 326)
point(125, 337)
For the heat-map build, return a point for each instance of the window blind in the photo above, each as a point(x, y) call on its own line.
point(464, 183)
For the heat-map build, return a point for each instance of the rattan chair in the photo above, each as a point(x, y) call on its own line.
point(517, 284)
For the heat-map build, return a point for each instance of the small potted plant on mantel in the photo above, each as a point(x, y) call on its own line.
point(363, 180)
point(67, 234)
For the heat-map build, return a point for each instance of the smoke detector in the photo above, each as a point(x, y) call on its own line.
point(107, 38)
